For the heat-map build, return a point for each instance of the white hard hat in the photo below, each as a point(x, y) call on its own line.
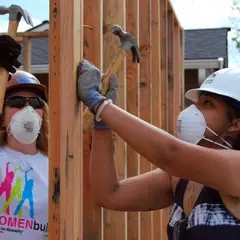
point(225, 82)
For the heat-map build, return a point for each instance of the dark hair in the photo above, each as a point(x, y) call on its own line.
point(233, 113)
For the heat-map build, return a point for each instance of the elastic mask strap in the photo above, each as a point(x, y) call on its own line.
point(216, 143)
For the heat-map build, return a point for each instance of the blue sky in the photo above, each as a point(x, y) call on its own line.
point(39, 11)
point(191, 13)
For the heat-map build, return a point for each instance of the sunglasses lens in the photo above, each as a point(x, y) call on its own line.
point(20, 102)
point(16, 102)
point(36, 102)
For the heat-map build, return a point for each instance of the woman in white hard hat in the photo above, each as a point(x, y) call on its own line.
point(23, 155)
point(204, 157)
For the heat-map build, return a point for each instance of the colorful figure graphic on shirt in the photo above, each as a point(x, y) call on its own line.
point(6, 185)
point(27, 195)
point(16, 192)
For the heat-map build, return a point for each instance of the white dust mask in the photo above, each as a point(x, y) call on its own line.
point(25, 125)
point(191, 126)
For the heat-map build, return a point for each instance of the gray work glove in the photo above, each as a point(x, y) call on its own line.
point(90, 86)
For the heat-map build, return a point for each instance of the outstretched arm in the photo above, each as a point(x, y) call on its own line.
point(149, 191)
point(218, 169)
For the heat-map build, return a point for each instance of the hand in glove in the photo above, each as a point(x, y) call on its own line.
point(90, 87)
point(9, 53)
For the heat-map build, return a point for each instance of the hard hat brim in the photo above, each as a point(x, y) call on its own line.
point(38, 87)
point(193, 94)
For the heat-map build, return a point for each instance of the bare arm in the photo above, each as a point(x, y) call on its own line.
point(149, 191)
point(219, 169)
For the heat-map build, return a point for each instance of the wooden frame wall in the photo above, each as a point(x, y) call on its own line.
point(152, 90)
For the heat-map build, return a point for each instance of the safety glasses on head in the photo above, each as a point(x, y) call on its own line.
point(20, 102)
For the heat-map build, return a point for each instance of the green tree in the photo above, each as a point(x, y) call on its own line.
point(235, 19)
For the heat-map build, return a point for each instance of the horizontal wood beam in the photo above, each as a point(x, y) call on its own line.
point(31, 35)
point(21, 35)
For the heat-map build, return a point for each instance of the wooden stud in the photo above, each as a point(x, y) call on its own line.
point(171, 84)
point(113, 13)
point(92, 52)
point(164, 94)
point(156, 92)
point(156, 63)
point(176, 72)
point(27, 54)
point(65, 142)
point(164, 78)
point(132, 72)
point(145, 96)
point(181, 63)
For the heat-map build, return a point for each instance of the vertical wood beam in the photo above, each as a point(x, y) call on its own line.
point(27, 54)
point(181, 63)
point(171, 79)
point(156, 92)
point(177, 93)
point(145, 96)
point(65, 115)
point(164, 77)
point(114, 13)
point(164, 93)
point(92, 52)
point(133, 83)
